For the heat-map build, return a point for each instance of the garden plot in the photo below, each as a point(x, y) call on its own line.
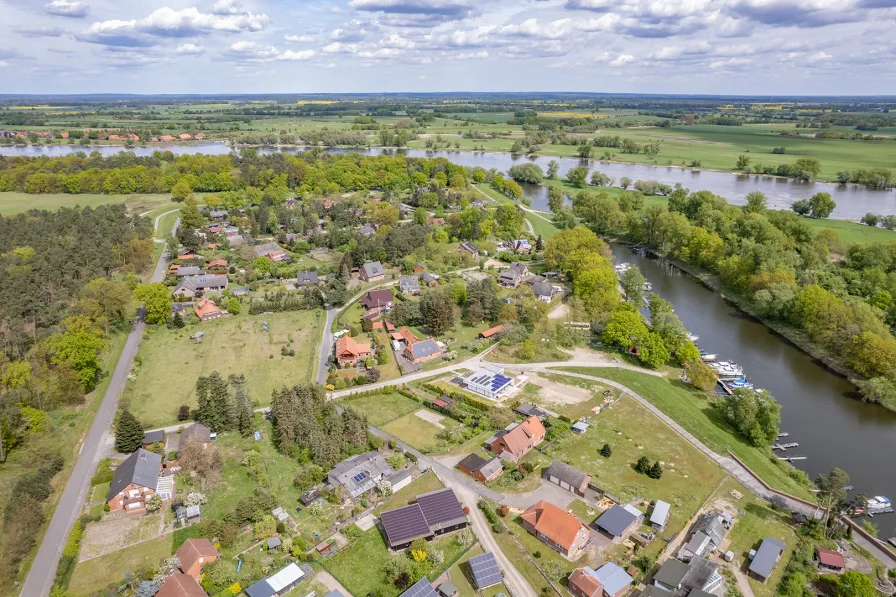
point(431, 417)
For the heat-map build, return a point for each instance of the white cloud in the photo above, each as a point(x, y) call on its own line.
point(820, 57)
point(380, 53)
point(340, 48)
point(531, 28)
point(67, 8)
point(190, 49)
point(622, 59)
point(300, 55)
point(41, 31)
point(298, 39)
point(394, 40)
point(227, 7)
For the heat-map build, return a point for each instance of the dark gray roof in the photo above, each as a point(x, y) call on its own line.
point(367, 229)
point(425, 348)
point(264, 249)
point(765, 559)
point(672, 573)
point(151, 437)
point(202, 282)
point(567, 473)
point(473, 462)
point(655, 591)
point(190, 270)
point(492, 466)
point(469, 247)
point(261, 589)
point(374, 268)
point(447, 589)
point(274, 542)
point(711, 526)
point(195, 432)
point(701, 571)
point(306, 278)
point(513, 273)
point(405, 524)
point(141, 467)
point(358, 474)
point(441, 508)
point(421, 588)
point(530, 410)
point(543, 289)
point(616, 520)
point(428, 277)
point(409, 283)
point(335, 593)
point(398, 477)
point(485, 570)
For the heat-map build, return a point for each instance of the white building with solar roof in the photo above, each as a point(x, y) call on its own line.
point(485, 570)
point(489, 381)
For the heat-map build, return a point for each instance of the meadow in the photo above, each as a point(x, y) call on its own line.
point(13, 202)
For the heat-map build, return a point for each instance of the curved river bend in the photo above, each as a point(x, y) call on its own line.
point(819, 409)
point(853, 201)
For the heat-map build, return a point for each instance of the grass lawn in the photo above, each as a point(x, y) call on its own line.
point(633, 431)
point(382, 408)
point(350, 315)
point(390, 370)
point(756, 521)
point(170, 363)
point(15, 202)
point(420, 434)
point(545, 352)
point(851, 233)
point(541, 226)
point(361, 566)
point(96, 574)
point(693, 412)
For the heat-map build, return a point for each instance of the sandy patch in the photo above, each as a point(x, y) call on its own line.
point(559, 393)
point(431, 417)
point(365, 523)
point(559, 312)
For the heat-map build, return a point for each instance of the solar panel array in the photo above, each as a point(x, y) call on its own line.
point(359, 477)
point(405, 524)
point(440, 507)
point(499, 382)
point(421, 588)
point(485, 570)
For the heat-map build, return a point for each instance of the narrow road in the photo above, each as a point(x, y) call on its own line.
point(326, 345)
point(43, 569)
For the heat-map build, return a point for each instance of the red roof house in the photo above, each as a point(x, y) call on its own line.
point(207, 310)
point(555, 527)
point(516, 443)
point(349, 352)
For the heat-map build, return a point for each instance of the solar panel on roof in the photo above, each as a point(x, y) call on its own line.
point(359, 477)
point(405, 524)
point(485, 570)
point(421, 588)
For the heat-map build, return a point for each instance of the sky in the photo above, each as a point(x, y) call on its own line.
point(745, 47)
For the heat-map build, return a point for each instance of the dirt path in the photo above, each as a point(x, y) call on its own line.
point(327, 580)
point(559, 312)
point(742, 583)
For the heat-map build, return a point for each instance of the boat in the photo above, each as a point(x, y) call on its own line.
point(708, 357)
point(648, 287)
point(879, 502)
point(741, 383)
point(623, 267)
point(693, 338)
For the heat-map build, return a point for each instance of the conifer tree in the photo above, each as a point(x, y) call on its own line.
point(128, 433)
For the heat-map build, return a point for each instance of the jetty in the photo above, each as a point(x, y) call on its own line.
point(783, 447)
point(783, 434)
point(792, 458)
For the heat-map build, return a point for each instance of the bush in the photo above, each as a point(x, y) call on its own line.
point(106, 508)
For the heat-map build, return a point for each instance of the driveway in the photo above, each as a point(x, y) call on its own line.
point(327, 580)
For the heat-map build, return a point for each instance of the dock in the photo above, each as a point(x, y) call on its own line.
point(783, 447)
point(871, 513)
point(792, 458)
point(783, 434)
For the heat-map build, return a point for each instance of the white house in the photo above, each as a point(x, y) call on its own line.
point(489, 381)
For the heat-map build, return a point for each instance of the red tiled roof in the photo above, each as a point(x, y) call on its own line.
point(556, 524)
point(192, 550)
point(586, 583)
point(206, 307)
point(377, 325)
point(351, 346)
point(830, 558)
point(180, 585)
point(518, 438)
point(491, 331)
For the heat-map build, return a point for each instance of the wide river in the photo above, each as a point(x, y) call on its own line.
point(819, 409)
point(853, 201)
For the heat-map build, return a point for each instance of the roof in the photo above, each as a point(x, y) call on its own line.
point(367, 229)
point(141, 468)
point(206, 307)
point(468, 247)
point(421, 588)
point(472, 462)
point(441, 508)
point(586, 581)
point(403, 525)
point(701, 573)
point(567, 473)
point(411, 282)
point(195, 432)
point(201, 282)
point(612, 577)
point(711, 526)
point(334, 593)
point(767, 556)
point(151, 437)
point(428, 277)
point(189, 270)
point(616, 520)
point(447, 588)
point(264, 249)
point(373, 268)
point(655, 591)
point(580, 426)
point(193, 549)
point(349, 344)
point(830, 558)
point(543, 289)
point(398, 477)
point(180, 585)
point(304, 278)
point(274, 542)
point(424, 348)
point(660, 513)
point(485, 570)
point(377, 298)
point(514, 272)
point(285, 577)
point(357, 473)
point(492, 466)
point(517, 439)
point(530, 410)
point(672, 573)
point(405, 334)
point(556, 524)
point(260, 589)
point(491, 331)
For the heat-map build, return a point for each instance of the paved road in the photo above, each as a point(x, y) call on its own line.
point(326, 345)
point(43, 570)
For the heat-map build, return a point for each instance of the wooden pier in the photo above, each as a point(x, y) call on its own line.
point(792, 458)
point(783, 447)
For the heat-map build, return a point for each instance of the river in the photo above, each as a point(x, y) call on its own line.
point(853, 201)
point(819, 409)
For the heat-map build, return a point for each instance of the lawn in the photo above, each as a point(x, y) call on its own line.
point(15, 202)
point(382, 408)
point(96, 574)
point(633, 431)
point(542, 227)
point(693, 412)
point(169, 362)
point(851, 233)
point(390, 370)
point(420, 434)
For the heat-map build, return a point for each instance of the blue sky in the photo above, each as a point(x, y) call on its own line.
point(819, 47)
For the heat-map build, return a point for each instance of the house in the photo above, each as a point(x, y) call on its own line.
point(376, 301)
point(279, 584)
point(194, 554)
point(558, 529)
point(207, 310)
point(489, 381)
point(430, 279)
point(766, 558)
point(706, 536)
point(135, 480)
point(513, 275)
point(828, 560)
point(544, 291)
point(200, 135)
point(218, 266)
point(419, 268)
point(424, 350)
point(192, 270)
point(409, 285)
point(272, 251)
point(218, 214)
point(447, 589)
point(400, 480)
point(367, 229)
point(608, 581)
point(350, 352)
point(421, 588)
point(360, 473)
point(469, 248)
point(185, 136)
point(151, 437)
point(481, 469)
point(580, 427)
point(310, 496)
point(619, 521)
point(485, 571)
point(432, 514)
point(679, 578)
point(194, 286)
point(180, 585)
point(307, 279)
point(274, 543)
point(197, 432)
point(568, 477)
point(166, 138)
point(491, 331)
point(515, 442)
point(521, 246)
point(372, 271)
point(660, 514)
point(530, 410)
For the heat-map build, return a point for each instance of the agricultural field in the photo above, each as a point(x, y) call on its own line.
point(168, 362)
point(383, 408)
point(13, 202)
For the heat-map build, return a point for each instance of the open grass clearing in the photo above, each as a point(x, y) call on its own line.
point(632, 431)
point(15, 202)
point(96, 574)
point(692, 410)
point(420, 434)
point(170, 363)
point(573, 410)
point(382, 408)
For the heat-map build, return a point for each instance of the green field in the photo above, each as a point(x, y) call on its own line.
point(96, 574)
point(420, 434)
point(170, 363)
point(13, 203)
point(382, 408)
point(851, 233)
point(693, 412)
point(633, 431)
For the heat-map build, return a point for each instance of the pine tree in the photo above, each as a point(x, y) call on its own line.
point(215, 409)
point(345, 266)
point(656, 471)
point(242, 405)
point(539, 244)
point(606, 451)
point(178, 320)
point(643, 465)
point(128, 433)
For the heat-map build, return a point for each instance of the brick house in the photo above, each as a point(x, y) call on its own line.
point(372, 271)
point(608, 581)
point(422, 351)
point(135, 480)
point(180, 585)
point(207, 310)
point(376, 301)
point(516, 442)
point(194, 554)
point(481, 469)
point(558, 529)
point(349, 352)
